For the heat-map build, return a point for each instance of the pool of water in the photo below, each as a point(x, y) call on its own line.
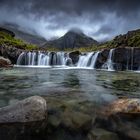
point(99, 86)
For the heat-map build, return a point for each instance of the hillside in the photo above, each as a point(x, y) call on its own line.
point(7, 38)
point(27, 37)
point(130, 39)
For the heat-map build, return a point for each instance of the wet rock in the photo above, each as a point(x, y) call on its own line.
point(10, 52)
point(28, 110)
point(122, 117)
point(101, 134)
point(4, 62)
point(23, 119)
point(102, 58)
point(123, 58)
point(74, 56)
point(76, 120)
point(125, 106)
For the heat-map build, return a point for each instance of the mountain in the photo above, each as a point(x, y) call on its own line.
point(71, 39)
point(27, 37)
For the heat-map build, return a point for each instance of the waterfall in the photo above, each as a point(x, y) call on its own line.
point(44, 59)
point(132, 58)
point(109, 64)
point(94, 59)
point(20, 58)
point(88, 60)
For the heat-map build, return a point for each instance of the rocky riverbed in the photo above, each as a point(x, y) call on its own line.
point(48, 118)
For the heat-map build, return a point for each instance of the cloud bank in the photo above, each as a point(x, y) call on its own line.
point(101, 19)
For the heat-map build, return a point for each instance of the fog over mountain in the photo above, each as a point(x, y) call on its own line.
point(100, 19)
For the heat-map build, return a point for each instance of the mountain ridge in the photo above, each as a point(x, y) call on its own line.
point(72, 39)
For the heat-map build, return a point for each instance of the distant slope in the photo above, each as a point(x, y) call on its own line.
point(71, 40)
point(29, 38)
point(130, 39)
point(7, 39)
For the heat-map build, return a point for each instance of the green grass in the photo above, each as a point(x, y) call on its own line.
point(8, 40)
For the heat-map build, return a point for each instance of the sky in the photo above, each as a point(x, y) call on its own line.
point(100, 19)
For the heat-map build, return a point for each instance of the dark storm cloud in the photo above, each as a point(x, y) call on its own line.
point(100, 18)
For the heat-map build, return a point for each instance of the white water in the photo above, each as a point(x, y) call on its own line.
point(132, 58)
point(94, 59)
point(109, 64)
point(43, 59)
point(84, 60)
point(88, 60)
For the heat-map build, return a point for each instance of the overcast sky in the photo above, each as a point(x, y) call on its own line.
point(100, 19)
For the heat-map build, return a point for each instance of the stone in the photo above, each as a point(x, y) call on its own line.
point(26, 119)
point(10, 52)
point(101, 134)
point(76, 120)
point(74, 56)
point(122, 116)
point(29, 110)
point(126, 106)
point(4, 62)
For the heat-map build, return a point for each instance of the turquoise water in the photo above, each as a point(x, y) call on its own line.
point(96, 85)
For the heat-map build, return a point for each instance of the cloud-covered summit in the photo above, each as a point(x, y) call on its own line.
point(101, 19)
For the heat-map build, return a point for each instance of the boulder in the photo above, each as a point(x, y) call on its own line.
point(23, 119)
point(122, 117)
point(74, 56)
point(76, 120)
point(102, 58)
point(124, 106)
point(4, 62)
point(10, 52)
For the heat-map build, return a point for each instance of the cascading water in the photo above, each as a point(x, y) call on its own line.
point(109, 64)
point(84, 60)
point(94, 59)
point(88, 60)
point(44, 59)
point(132, 58)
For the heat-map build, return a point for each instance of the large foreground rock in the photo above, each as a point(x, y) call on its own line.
point(23, 119)
point(122, 117)
point(124, 106)
point(4, 62)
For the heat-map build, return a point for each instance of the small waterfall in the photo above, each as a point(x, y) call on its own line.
point(84, 60)
point(132, 58)
point(44, 59)
point(109, 64)
point(94, 59)
point(88, 60)
point(20, 58)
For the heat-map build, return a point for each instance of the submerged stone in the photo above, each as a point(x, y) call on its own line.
point(128, 106)
point(101, 134)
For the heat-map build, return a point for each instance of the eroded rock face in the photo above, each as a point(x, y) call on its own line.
point(11, 53)
point(74, 56)
point(4, 62)
point(24, 120)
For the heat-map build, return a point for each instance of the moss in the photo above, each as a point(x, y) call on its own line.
point(7, 39)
